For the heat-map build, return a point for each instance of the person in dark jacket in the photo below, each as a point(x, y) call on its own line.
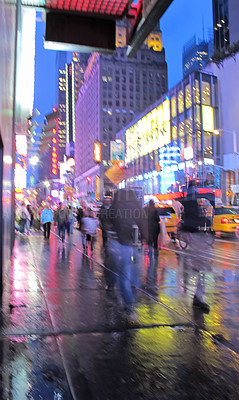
point(124, 213)
point(153, 228)
point(104, 218)
point(199, 246)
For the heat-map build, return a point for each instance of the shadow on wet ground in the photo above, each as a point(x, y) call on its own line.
point(64, 337)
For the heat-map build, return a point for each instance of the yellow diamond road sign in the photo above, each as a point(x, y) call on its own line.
point(115, 174)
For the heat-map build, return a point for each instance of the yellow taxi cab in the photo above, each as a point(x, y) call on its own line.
point(226, 220)
point(170, 218)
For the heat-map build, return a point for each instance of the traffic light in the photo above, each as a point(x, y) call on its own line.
point(88, 178)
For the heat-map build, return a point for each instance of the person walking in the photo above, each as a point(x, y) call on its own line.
point(153, 228)
point(104, 218)
point(23, 216)
point(199, 248)
point(70, 223)
point(36, 218)
point(89, 226)
point(46, 220)
point(124, 213)
point(61, 218)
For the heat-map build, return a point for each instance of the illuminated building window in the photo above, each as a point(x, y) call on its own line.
point(196, 92)
point(206, 93)
point(180, 102)
point(188, 99)
point(174, 133)
point(173, 107)
point(181, 129)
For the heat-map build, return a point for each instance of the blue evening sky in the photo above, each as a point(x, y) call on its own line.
point(45, 74)
point(182, 20)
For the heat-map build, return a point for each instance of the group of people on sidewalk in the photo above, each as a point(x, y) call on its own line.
point(117, 221)
point(27, 217)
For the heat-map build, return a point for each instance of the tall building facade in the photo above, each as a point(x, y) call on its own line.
point(116, 89)
point(196, 54)
point(172, 141)
point(70, 80)
point(225, 23)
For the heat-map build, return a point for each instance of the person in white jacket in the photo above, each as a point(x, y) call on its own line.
point(23, 216)
point(89, 226)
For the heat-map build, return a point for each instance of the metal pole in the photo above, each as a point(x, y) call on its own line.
point(235, 155)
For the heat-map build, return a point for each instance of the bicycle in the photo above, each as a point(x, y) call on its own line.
point(184, 238)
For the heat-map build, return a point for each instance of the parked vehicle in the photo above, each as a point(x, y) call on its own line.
point(226, 220)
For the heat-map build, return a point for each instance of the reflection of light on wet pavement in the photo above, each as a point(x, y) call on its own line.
point(18, 276)
point(33, 281)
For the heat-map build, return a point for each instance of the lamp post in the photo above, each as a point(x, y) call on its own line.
point(235, 152)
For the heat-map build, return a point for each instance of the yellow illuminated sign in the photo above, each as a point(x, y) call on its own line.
point(97, 152)
point(115, 174)
point(149, 133)
point(97, 187)
point(208, 119)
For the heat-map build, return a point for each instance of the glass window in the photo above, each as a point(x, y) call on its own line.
point(225, 210)
point(196, 92)
point(207, 144)
point(180, 102)
point(188, 99)
point(206, 93)
point(174, 132)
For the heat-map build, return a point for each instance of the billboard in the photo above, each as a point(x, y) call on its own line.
point(116, 151)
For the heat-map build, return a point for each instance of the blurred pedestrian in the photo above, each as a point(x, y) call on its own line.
point(153, 228)
point(198, 246)
point(89, 226)
point(61, 219)
point(81, 212)
point(46, 220)
point(70, 223)
point(29, 221)
point(104, 218)
point(23, 216)
point(125, 212)
point(36, 217)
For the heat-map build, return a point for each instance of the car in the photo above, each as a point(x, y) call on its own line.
point(226, 220)
point(170, 218)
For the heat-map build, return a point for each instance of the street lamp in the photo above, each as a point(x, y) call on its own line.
point(235, 152)
point(34, 160)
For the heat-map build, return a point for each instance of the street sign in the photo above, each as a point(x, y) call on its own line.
point(115, 174)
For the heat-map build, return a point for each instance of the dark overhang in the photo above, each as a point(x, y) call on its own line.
point(89, 25)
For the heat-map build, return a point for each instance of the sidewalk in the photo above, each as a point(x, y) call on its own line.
point(64, 337)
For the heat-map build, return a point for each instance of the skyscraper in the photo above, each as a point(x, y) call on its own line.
point(196, 53)
point(70, 80)
point(225, 22)
point(115, 90)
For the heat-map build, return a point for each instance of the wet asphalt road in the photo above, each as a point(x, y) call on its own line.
point(64, 337)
